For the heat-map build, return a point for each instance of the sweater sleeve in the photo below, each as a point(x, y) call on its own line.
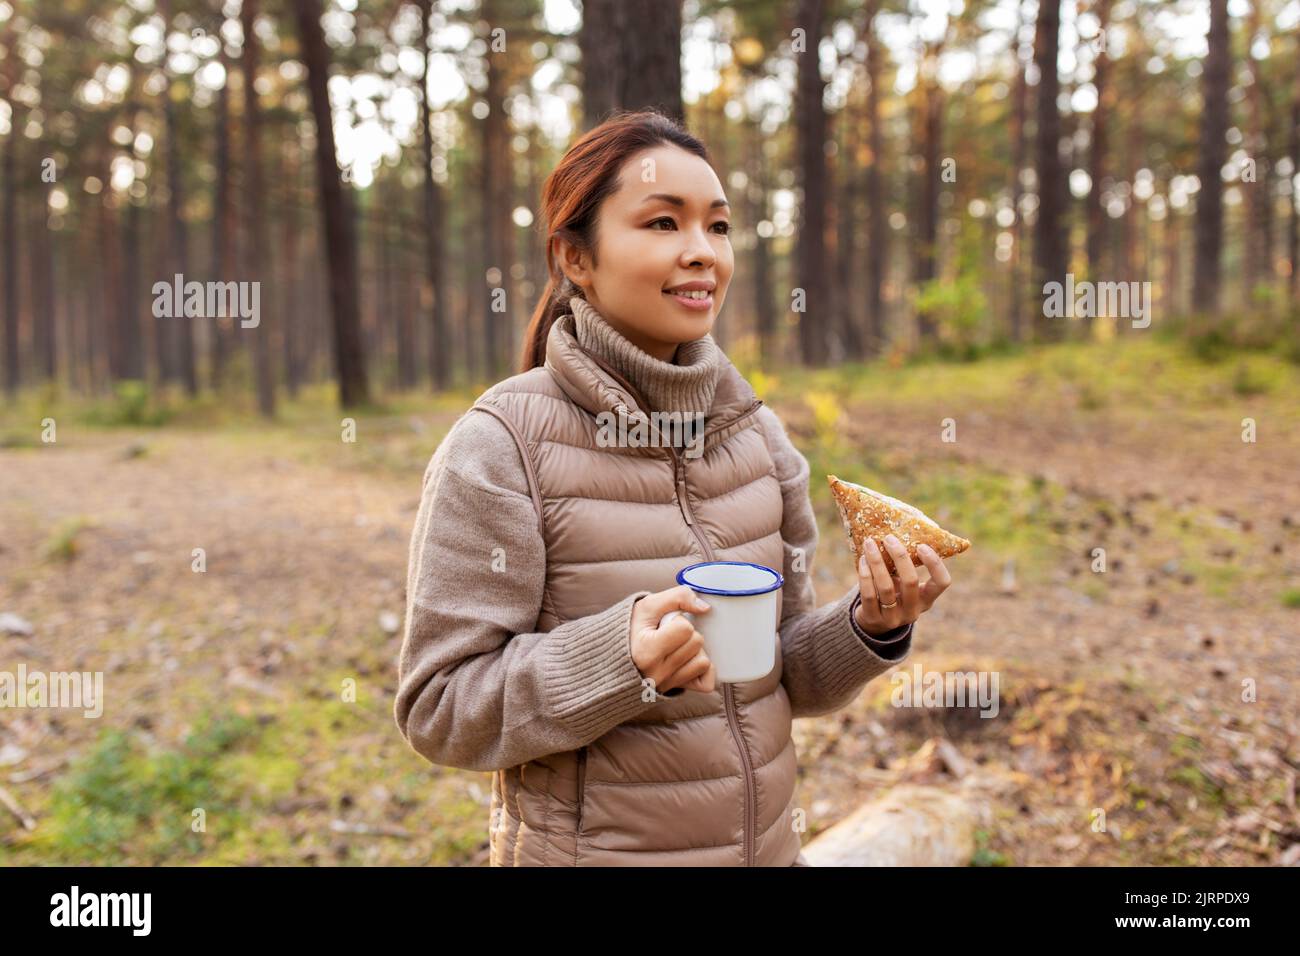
point(477, 688)
point(826, 658)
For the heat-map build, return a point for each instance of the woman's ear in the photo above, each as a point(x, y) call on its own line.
point(572, 262)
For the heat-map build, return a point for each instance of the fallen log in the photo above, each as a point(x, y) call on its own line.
point(911, 825)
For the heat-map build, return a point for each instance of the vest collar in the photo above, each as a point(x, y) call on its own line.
point(592, 385)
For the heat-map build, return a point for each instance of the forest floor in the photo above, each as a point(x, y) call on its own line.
point(1161, 691)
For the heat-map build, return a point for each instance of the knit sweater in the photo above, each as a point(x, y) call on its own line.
point(479, 688)
point(686, 384)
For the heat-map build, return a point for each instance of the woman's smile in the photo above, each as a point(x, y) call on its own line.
point(695, 301)
point(696, 295)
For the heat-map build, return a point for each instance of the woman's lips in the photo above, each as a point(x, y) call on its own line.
point(696, 305)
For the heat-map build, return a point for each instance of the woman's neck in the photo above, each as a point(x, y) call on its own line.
point(684, 383)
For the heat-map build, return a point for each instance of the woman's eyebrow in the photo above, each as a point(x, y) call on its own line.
point(679, 201)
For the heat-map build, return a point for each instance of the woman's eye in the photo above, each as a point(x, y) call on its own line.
point(726, 226)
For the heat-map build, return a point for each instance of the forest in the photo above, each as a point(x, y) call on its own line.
point(920, 175)
point(1029, 266)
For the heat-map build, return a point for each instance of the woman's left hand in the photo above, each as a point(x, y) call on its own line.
point(910, 599)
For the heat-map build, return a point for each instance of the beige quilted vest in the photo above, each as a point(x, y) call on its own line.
point(697, 779)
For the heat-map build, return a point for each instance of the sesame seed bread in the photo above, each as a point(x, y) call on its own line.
point(869, 514)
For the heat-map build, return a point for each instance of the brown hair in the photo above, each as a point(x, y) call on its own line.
point(572, 195)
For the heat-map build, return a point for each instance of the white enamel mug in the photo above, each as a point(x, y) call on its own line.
point(739, 629)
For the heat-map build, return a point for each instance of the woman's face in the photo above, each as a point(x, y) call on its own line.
point(666, 226)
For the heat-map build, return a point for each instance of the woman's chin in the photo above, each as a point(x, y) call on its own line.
point(692, 319)
point(688, 330)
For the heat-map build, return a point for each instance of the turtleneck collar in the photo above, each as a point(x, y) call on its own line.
point(686, 384)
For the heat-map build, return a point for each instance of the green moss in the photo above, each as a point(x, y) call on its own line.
point(62, 543)
point(984, 855)
point(1206, 789)
point(125, 803)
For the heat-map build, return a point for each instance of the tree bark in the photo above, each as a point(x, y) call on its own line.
point(254, 210)
point(47, 299)
point(910, 825)
point(349, 356)
point(132, 354)
point(877, 257)
point(1293, 241)
point(811, 136)
point(1214, 126)
point(927, 226)
point(756, 207)
point(223, 230)
point(1097, 152)
point(494, 199)
point(1258, 264)
point(290, 315)
point(1051, 251)
point(631, 57)
point(846, 230)
point(182, 341)
point(1019, 150)
point(9, 246)
point(439, 355)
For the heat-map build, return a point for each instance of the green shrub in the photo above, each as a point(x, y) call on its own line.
point(62, 543)
point(132, 404)
point(121, 802)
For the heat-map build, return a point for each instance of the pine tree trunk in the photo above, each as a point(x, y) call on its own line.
point(1293, 242)
point(349, 356)
point(439, 344)
point(877, 257)
point(927, 226)
point(183, 339)
point(1019, 151)
point(289, 313)
point(1258, 265)
point(44, 298)
point(814, 321)
point(846, 230)
point(255, 213)
point(1051, 252)
point(1098, 146)
point(9, 252)
point(1214, 126)
point(756, 200)
point(223, 231)
point(133, 365)
point(495, 165)
point(631, 57)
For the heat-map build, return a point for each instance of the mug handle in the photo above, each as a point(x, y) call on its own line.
point(664, 620)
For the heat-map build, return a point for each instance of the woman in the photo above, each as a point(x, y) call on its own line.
point(544, 555)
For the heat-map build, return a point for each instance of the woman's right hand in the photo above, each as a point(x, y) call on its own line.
point(671, 656)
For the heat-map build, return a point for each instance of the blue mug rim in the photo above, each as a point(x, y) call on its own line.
point(780, 579)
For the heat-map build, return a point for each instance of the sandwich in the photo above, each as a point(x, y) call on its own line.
point(869, 514)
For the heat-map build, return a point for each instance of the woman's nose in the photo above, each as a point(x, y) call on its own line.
point(698, 250)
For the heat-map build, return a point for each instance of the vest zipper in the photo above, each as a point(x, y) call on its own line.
point(728, 690)
point(582, 781)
